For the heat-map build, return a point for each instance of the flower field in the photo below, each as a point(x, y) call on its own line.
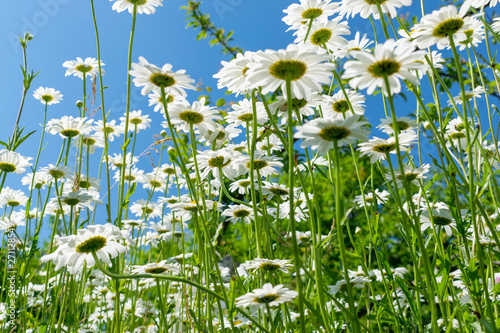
point(282, 207)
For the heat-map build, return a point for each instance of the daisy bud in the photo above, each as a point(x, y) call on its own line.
point(358, 230)
point(79, 104)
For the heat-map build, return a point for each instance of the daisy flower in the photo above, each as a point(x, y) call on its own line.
point(268, 265)
point(365, 8)
point(405, 125)
point(305, 107)
point(262, 164)
point(441, 219)
point(116, 160)
point(156, 100)
point(267, 296)
point(357, 44)
point(496, 25)
point(48, 96)
point(153, 181)
point(439, 26)
point(243, 113)
point(222, 159)
point(412, 175)
point(38, 181)
point(307, 71)
point(242, 186)
point(378, 148)
point(89, 142)
point(469, 94)
point(198, 115)
point(11, 161)
point(390, 61)
point(153, 78)
point(237, 213)
point(144, 208)
point(136, 121)
point(76, 250)
point(69, 127)
point(321, 133)
point(56, 172)
point(341, 285)
point(163, 268)
point(12, 198)
point(112, 129)
point(220, 135)
point(337, 106)
point(143, 6)
point(323, 34)
point(369, 200)
point(301, 14)
point(79, 67)
point(77, 200)
point(456, 134)
point(233, 74)
point(474, 33)
point(274, 189)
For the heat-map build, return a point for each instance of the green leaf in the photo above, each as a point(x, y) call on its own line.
point(220, 102)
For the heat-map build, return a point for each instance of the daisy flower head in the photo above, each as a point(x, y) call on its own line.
point(153, 78)
point(378, 148)
point(156, 99)
point(405, 125)
point(11, 161)
point(298, 15)
point(323, 133)
point(440, 218)
point(369, 200)
point(163, 268)
point(474, 33)
point(112, 130)
point(456, 133)
point(242, 186)
point(56, 172)
point(79, 67)
point(441, 25)
point(217, 161)
point(267, 296)
point(237, 213)
point(243, 113)
point(305, 107)
point(469, 94)
point(496, 25)
point(38, 181)
point(410, 174)
point(365, 8)
point(76, 250)
point(323, 34)
point(69, 127)
point(77, 200)
point(142, 6)
point(274, 189)
point(12, 198)
point(268, 265)
point(220, 136)
point(233, 74)
point(306, 71)
point(263, 165)
point(143, 208)
point(389, 62)
point(197, 115)
point(337, 106)
point(136, 121)
point(357, 44)
point(47, 96)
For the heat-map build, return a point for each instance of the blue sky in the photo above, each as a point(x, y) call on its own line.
point(63, 30)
